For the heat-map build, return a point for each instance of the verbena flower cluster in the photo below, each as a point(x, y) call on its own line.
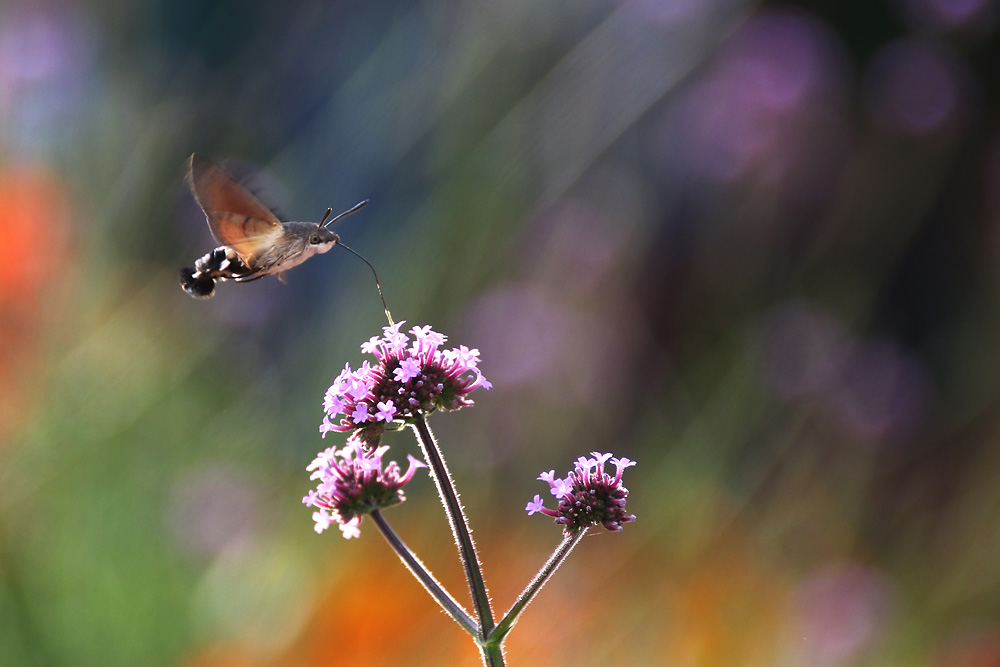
point(406, 381)
point(352, 483)
point(410, 378)
point(588, 496)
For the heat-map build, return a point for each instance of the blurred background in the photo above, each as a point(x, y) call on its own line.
point(751, 245)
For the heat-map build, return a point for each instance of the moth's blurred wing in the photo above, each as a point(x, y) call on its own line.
point(234, 215)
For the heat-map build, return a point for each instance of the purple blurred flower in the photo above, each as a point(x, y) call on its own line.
point(588, 496)
point(407, 380)
point(839, 611)
point(769, 111)
point(972, 16)
point(352, 483)
point(916, 87)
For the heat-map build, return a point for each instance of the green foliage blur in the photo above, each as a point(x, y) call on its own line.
point(752, 246)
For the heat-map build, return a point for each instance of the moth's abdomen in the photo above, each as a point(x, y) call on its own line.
point(199, 286)
point(221, 264)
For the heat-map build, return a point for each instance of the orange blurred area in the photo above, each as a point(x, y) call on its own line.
point(376, 613)
point(725, 609)
point(371, 611)
point(35, 267)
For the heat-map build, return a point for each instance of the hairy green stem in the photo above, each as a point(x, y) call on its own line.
point(463, 539)
point(526, 596)
point(420, 571)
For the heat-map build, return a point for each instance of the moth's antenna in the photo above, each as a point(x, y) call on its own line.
point(381, 296)
point(354, 209)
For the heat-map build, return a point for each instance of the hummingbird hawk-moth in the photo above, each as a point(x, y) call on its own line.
point(254, 242)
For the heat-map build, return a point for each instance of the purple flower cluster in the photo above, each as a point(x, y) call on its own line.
point(588, 496)
point(407, 380)
point(352, 483)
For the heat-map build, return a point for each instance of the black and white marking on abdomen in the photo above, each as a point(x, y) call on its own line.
point(221, 264)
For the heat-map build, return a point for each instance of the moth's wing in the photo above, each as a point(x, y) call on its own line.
point(237, 219)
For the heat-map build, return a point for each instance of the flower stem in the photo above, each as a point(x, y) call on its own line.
point(459, 527)
point(437, 591)
point(526, 596)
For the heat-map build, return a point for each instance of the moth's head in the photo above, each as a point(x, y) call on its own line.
point(320, 240)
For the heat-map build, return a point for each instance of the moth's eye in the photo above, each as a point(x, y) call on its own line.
point(314, 239)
